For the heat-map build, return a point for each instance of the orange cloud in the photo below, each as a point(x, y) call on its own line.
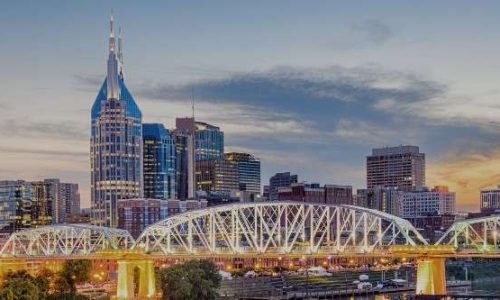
point(466, 175)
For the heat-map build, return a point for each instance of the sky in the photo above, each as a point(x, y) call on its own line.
point(307, 86)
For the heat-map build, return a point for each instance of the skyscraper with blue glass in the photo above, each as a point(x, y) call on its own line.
point(209, 142)
point(159, 162)
point(115, 142)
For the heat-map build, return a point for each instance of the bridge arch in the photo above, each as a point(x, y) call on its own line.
point(277, 227)
point(65, 239)
point(481, 234)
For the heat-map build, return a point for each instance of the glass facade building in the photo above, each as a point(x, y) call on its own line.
point(209, 141)
point(248, 171)
point(159, 159)
point(15, 205)
point(115, 143)
point(41, 204)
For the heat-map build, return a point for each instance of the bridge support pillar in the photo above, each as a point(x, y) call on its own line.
point(132, 274)
point(431, 276)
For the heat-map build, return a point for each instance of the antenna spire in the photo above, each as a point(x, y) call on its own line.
point(192, 103)
point(120, 50)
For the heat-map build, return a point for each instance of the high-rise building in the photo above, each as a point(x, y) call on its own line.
point(490, 200)
point(115, 143)
point(217, 175)
point(209, 141)
point(70, 195)
point(402, 167)
point(284, 179)
point(15, 205)
point(248, 171)
point(41, 204)
point(185, 161)
point(65, 199)
point(159, 162)
point(58, 204)
point(195, 141)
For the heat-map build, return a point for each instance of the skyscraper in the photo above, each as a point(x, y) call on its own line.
point(184, 148)
point(115, 143)
point(159, 162)
point(402, 167)
point(70, 195)
point(41, 204)
point(195, 141)
point(209, 142)
point(248, 171)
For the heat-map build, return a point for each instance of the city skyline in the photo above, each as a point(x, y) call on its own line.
point(327, 111)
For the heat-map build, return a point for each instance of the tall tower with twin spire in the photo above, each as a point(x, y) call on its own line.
point(115, 142)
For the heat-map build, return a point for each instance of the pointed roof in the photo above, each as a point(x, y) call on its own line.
point(114, 85)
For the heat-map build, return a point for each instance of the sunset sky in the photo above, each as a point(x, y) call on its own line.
point(308, 87)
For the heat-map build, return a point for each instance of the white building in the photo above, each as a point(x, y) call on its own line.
point(438, 201)
point(490, 199)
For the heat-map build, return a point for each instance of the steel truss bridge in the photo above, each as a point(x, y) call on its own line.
point(265, 229)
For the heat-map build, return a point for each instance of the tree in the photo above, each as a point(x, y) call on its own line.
point(195, 279)
point(73, 272)
point(20, 285)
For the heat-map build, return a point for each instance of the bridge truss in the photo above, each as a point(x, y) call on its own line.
point(67, 239)
point(278, 227)
point(479, 234)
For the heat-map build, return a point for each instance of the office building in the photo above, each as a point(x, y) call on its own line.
point(279, 180)
point(184, 148)
point(248, 171)
point(135, 215)
point(159, 159)
point(115, 143)
point(315, 193)
point(402, 167)
point(490, 200)
point(15, 205)
point(338, 194)
point(425, 202)
point(58, 204)
point(217, 175)
point(385, 199)
point(69, 194)
point(41, 204)
point(209, 141)
point(302, 192)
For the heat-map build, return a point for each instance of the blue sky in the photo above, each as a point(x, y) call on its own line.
point(308, 86)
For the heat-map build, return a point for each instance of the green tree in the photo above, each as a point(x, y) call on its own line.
point(72, 273)
point(20, 285)
point(195, 279)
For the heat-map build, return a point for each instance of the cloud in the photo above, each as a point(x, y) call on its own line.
point(26, 128)
point(466, 174)
point(39, 151)
point(287, 85)
point(89, 80)
point(374, 31)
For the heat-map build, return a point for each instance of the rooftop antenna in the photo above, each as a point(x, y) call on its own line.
point(192, 103)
